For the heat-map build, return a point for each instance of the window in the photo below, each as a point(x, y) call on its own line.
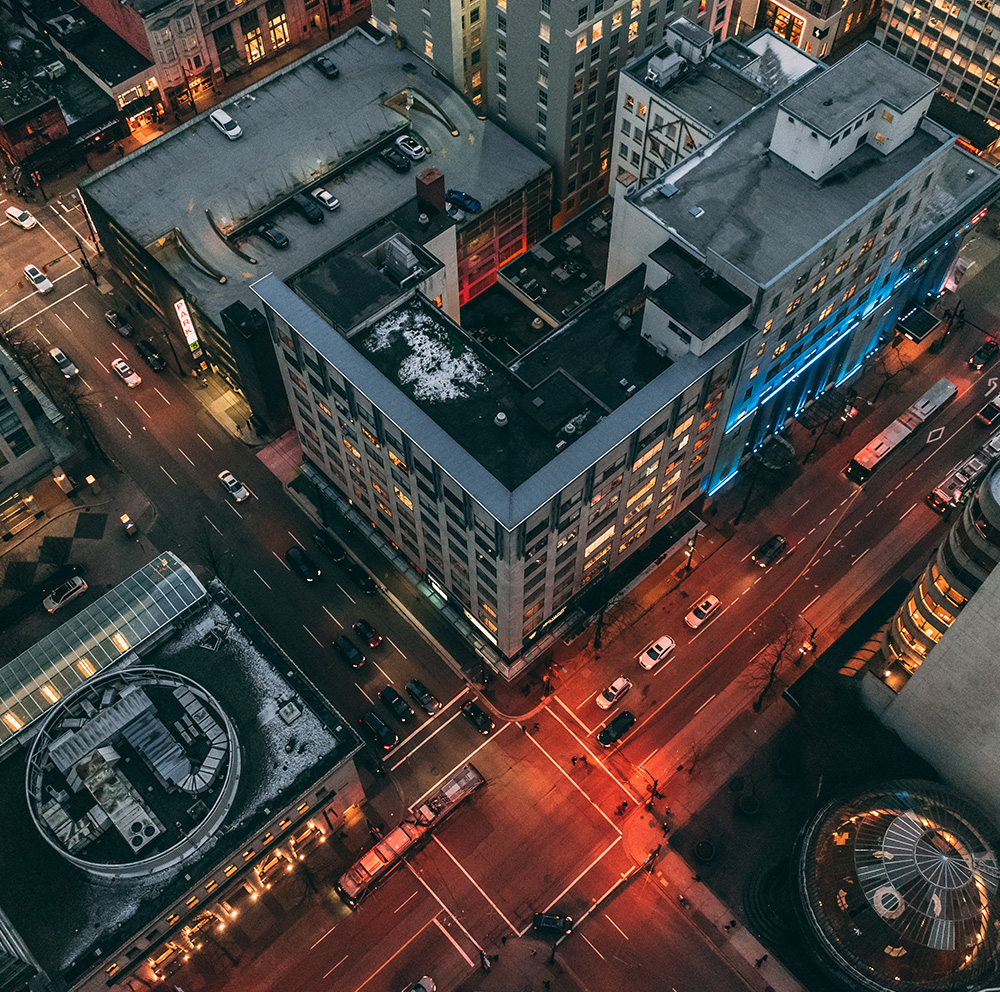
point(543, 118)
point(473, 15)
point(597, 32)
point(581, 42)
point(581, 15)
point(546, 7)
point(623, 151)
point(543, 31)
point(641, 110)
point(543, 98)
point(501, 23)
point(629, 102)
point(543, 53)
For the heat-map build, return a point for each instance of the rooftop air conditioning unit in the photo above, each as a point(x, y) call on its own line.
point(663, 68)
point(54, 70)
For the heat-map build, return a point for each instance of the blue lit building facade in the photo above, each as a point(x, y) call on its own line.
point(830, 208)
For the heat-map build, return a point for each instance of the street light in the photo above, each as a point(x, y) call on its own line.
point(692, 540)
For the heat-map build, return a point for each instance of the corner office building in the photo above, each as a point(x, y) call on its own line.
point(741, 284)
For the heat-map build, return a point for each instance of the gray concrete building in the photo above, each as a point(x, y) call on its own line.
point(547, 70)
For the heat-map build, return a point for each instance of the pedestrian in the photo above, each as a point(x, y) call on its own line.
point(666, 829)
point(732, 923)
point(524, 729)
point(494, 958)
point(533, 952)
point(547, 984)
point(680, 768)
point(503, 940)
point(727, 928)
point(624, 805)
point(534, 729)
point(760, 961)
point(574, 760)
point(584, 759)
point(696, 878)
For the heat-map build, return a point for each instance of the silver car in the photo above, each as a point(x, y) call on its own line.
point(67, 368)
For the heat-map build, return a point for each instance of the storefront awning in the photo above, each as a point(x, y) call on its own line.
point(143, 105)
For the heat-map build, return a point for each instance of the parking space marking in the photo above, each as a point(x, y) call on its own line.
point(216, 529)
point(333, 618)
point(615, 925)
point(233, 508)
point(394, 644)
point(296, 540)
point(162, 469)
point(346, 593)
point(382, 670)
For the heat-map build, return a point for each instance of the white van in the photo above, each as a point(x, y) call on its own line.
point(226, 124)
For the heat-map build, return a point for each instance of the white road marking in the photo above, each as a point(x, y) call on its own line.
point(804, 505)
point(333, 618)
point(338, 964)
point(440, 926)
point(282, 560)
point(162, 397)
point(444, 778)
point(38, 313)
point(261, 577)
point(119, 419)
point(87, 384)
point(479, 888)
point(810, 603)
point(120, 352)
point(615, 925)
point(860, 556)
point(140, 406)
point(167, 474)
point(216, 529)
point(394, 644)
point(312, 635)
point(440, 727)
point(346, 593)
point(704, 704)
point(43, 337)
point(84, 312)
point(382, 670)
point(594, 949)
point(63, 322)
point(600, 857)
point(296, 540)
point(403, 903)
point(365, 694)
point(203, 441)
point(912, 507)
point(233, 508)
point(184, 453)
point(327, 934)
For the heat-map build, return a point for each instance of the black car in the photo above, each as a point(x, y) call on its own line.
point(309, 208)
point(770, 551)
point(552, 922)
point(325, 66)
point(329, 545)
point(990, 414)
point(349, 651)
point(617, 728)
point(394, 157)
point(425, 699)
point(395, 702)
point(477, 718)
point(362, 579)
point(302, 563)
point(367, 633)
point(149, 354)
point(119, 323)
point(379, 731)
point(984, 353)
point(271, 234)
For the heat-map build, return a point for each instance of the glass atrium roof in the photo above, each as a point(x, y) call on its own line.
point(122, 620)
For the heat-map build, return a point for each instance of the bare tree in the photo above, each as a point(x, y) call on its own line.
point(212, 551)
point(621, 614)
point(884, 366)
point(764, 674)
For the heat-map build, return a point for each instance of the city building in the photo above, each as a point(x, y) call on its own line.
point(158, 758)
point(189, 240)
point(548, 73)
point(871, 199)
point(815, 26)
point(957, 44)
point(187, 47)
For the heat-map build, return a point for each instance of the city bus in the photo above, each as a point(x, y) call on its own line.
point(957, 484)
point(868, 459)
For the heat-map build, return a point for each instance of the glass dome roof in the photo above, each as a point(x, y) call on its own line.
point(899, 886)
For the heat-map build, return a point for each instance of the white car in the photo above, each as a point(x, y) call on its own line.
point(409, 145)
point(702, 612)
point(61, 595)
point(655, 651)
point(326, 199)
point(39, 281)
point(226, 124)
point(67, 368)
point(130, 378)
point(613, 693)
point(21, 217)
point(233, 486)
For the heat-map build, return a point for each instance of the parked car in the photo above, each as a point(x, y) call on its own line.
point(375, 35)
point(62, 594)
point(990, 414)
point(309, 208)
point(424, 985)
point(326, 199)
point(608, 697)
point(125, 373)
point(702, 612)
point(302, 563)
point(770, 551)
point(233, 486)
point(226, 124)
point(329, 545)
point(362, 579)
point(463, 200)
point(349, 651)
point(395, 702)
point(21, 218)
point(410, 147)
point(326, 66)
point(394, 157)
point(67, 368)
point(422, 696)
point(454, 213)
point(379, 731)
point(475, 715)
point(654, 652)
point(273, 235)
point(616, 729)
point(40, 282)
point(367, 633)
point(984, 353)
point(149, 354)
point(114, 319)
point(552, 922)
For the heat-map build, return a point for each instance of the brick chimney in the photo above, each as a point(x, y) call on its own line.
point(430, 188)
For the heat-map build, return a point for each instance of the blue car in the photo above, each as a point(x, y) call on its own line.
point(463, 200)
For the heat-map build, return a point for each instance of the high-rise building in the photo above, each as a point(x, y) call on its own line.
point(957, 44)
point(815, 26)
point(547, 70)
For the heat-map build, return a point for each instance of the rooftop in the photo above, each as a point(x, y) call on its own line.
point(301, 131)
point(280, 755)
point(850, 88)
point(693, 294)
point(745, 193)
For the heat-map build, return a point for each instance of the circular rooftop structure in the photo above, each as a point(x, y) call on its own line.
point(133, 772)
point(899, 887)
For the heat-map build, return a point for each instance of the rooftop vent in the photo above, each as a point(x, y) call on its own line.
point(570, 428)
point(667, 190)
point(500, 419)
point(423, 221)
point(696, 212)
point(54, 70)
point(560, 445)
point(970, 173)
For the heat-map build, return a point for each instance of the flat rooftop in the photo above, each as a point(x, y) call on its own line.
point(745, 193)
point(64, 914)
point(301, 131)
point(851, 87)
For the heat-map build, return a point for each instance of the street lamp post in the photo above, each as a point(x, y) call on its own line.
point(692, 540)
